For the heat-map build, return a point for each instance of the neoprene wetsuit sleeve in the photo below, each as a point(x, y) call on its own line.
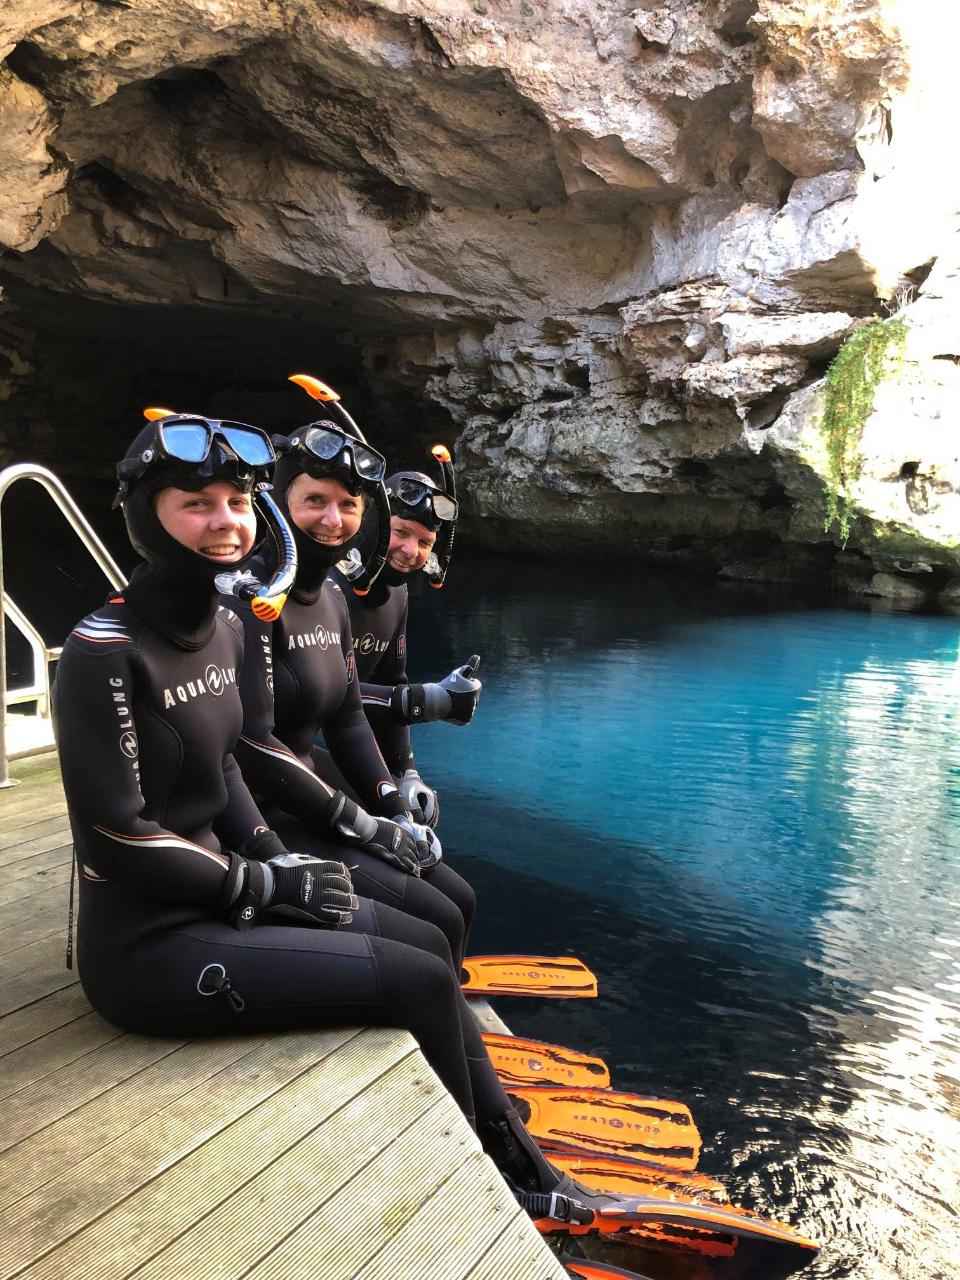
point(393, 739)
point(98, 743)
point(351, 740)
point(268, 766)
point(241, 819)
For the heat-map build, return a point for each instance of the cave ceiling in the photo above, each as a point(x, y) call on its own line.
point(597, 244)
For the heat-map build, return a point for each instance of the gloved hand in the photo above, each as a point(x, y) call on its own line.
point(295, 884)
point(312, 889)
point(429, 849)
point(422, 800)
point(454, 698)
point(382, 837)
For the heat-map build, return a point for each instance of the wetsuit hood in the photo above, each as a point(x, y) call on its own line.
point(174, 591)
point(314, 560)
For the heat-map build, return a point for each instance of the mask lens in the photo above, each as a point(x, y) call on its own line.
point(324, 442)
point(369, 464)
point(412, 492)
point(186, 441)
point(250, 446)
point(444, 508)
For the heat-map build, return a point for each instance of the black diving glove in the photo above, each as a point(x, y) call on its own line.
point(294, 884)
point(382, 837)
point(312, 889)
point(453, 699)
point(423, 800)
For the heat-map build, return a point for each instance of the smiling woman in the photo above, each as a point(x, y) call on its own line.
point(218, 522)
point(324, 509)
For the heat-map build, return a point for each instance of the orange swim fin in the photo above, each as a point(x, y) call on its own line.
point(607, 1173)
point(614, 1173)
point(551, 977)
point(520, 1061)
point(657, 1130)
point(627, 1212)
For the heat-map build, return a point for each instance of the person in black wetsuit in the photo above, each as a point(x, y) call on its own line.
point(419, 513)
point(184, 891)
point(299, 678)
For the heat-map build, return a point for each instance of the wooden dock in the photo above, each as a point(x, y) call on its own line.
point(333, 1155)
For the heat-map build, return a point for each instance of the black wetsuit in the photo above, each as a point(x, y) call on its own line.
point(299, 678)
point(146, 728)
point(379, 622)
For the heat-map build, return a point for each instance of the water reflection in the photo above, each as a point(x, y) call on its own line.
point(744, 815)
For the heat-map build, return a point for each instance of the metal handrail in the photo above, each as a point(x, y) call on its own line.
point(40, 689)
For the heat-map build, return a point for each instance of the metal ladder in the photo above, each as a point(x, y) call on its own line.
point(32, 733)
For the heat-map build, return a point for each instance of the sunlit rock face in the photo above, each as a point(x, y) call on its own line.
point(608, 249)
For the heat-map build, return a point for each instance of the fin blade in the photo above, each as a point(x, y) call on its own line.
point(521, 1061)
point(656, 1130)
point(615, 1173)
point(550, 977)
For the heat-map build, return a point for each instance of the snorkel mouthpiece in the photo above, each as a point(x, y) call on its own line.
point(266, 599)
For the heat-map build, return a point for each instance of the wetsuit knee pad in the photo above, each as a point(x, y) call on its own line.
point(454, 887)
point(400, 926)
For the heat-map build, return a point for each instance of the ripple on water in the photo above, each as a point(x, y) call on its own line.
point(748, 822)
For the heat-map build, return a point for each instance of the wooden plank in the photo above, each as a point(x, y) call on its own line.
point(517, 1251)
point(52, 1151)
point(330, 1244)
point(41, 860)
point(42, 882)
point(41, 924)
point(16, 833)
point(27, 909)
point(32, 806)
point(461, 1218)
point(69, 1201)
point(40, 955)
point(36, 1020)
point(35, 1061)
point(266, 1171)
point(25, 988)
point(61, 1092)
point(19, 849)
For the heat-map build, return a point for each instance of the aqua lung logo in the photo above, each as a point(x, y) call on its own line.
point(319, 638)
point(128, 738)
point(369, 643)
point(267, 651)
point(306, 887)
point(247, 913)
point(614, 1122)
point(215, 680)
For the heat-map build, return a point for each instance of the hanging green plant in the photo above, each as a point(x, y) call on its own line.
point(851, 381)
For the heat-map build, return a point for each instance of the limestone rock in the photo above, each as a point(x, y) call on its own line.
point(610, 249)
point(30, 178)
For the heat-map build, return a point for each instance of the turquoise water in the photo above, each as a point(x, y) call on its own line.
point(744, 813)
